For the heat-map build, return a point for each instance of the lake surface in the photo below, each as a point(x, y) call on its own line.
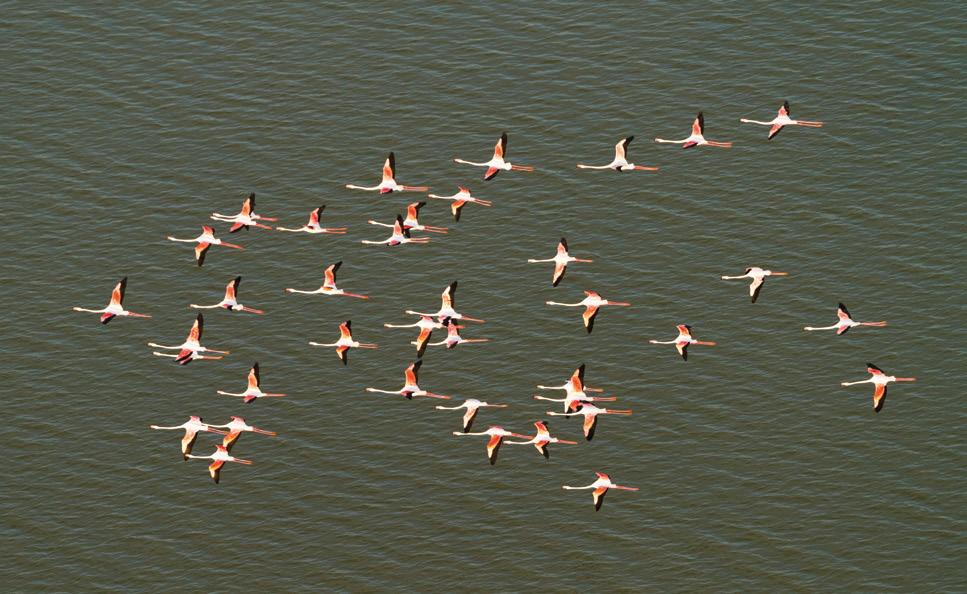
point(758, 471)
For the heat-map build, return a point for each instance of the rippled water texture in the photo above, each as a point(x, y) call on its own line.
point(758, 472)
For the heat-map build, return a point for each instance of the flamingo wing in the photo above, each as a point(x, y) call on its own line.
point(254, 379)
point(346, 330)
point(784, 109)
point(200, 250)
point(468, 418)
point(598, 495)
point(491, 173)
point(315, 215)
point(698, 126)
point(215, 470)
point(682, 348)
point(422, 339)
point(500, 149)
point(330, 274)
point(621, 149)
point(389, 168)
point(755, 287)
point(879, 397)
point(873, 369)
point(197, 328)
point(188, 441)
point(590, 312)
point(232, 288)
point(229, 440)
point(843, 314)
point(590, 424)
point(117, 294)
point(493, 446)
point(248, 206)
point(559, 270)
point(455, 207)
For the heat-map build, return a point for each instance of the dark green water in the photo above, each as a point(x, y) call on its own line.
point(758, 472)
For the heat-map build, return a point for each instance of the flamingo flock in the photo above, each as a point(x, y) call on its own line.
point(576, 401)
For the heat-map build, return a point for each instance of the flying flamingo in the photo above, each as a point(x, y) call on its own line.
point(575, 383)
point(205, 241)
point(235, 428)
point(845, 322)
point(682, 341)
point(230, 301)
point(245, 218)
point(329, 285)
point(447, 299)
point(696, 139)
point(313, 226)
point(574, 392)
point(590, 413)
point(192, 427)
point(400, 236)
point(453, 337)
point(254, 389)
point(219, 457)
point(542, 439)
point(879, 380)
point(620, 162)
point(191, 349)
point(758, 277)
point(114, 307)
point(497, 435)
point(561, 260)
point(497, 163)
point(410, 387)
point(458, 200)
point(601, 487)
point(472, 405)
point(427, 325)
point(782, 119)
point(345, 342)
point(412, 222)
point(388, 184)
point(591, 303)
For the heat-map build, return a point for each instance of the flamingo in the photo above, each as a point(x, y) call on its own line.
point(620, 162)
point(782, 119)
point(388, 184)
point(235, 428)
point(205, 241)
point(191, 349)
point(453, 337)
point(879, 379)
point(114, 307)
point(427, 325)
point(410, 387)
point(561, 260)
point(497, 435)
point(446, 307)
point(459, 200)
point(542, 439)
point(575, 392)
point(845, 322)
point(601, 487)
point(245, 218)
point(497, 163)
point(219, 457)
point(230, 301)
point(683, 339)
point(472, 405)
point(400, 235)
point(192, 427)
point(329, 285)
point(412, 222)
point(697, 138)
point(345, 342)
point(590, 413)
point(591, 303)
point(253, 390)
point(758, 277)
point(313, 225)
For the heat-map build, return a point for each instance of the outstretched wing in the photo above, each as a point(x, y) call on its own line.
point(389, 168)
